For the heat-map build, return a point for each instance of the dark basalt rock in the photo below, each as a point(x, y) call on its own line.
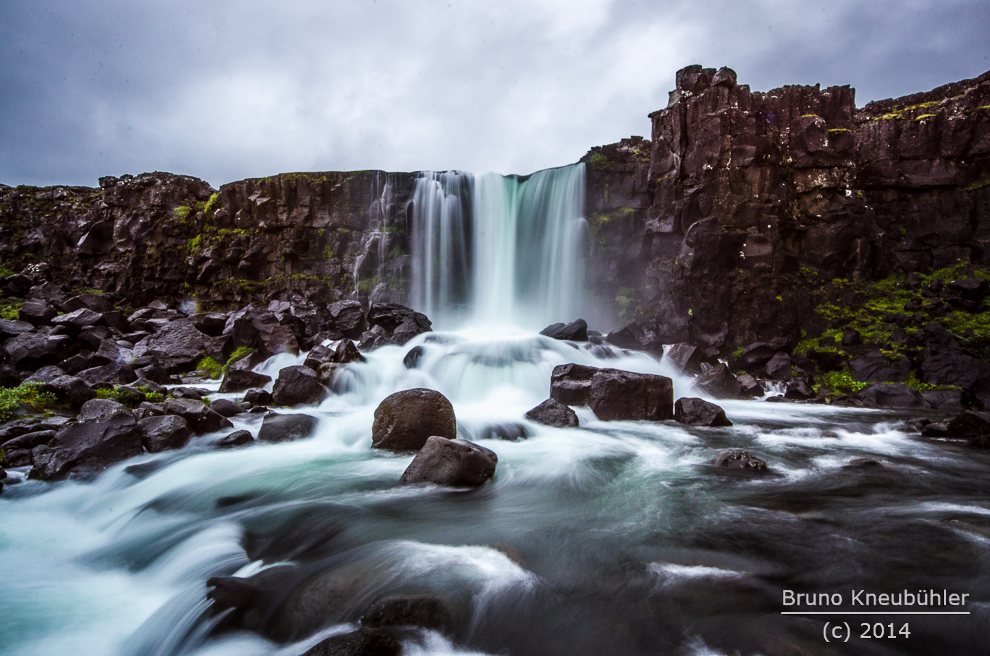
point(258, 397)
point(575, 331)
point(639, 336)
point(101, 408)
point(718, 383)
point(779, 367)
point(451, 462)
point(36, 312)
point(178, 345)
point(749, 386)
point(286, 428)
point(200, 418)
point(111, 374)
point(78, 319)
point(412, 358)
point(235, 439)
point(365, 641)
point(226, 408)
point(698, 412)
point(882, 395)
point(874, 367)
point(18, 452)
point(799, 389)
point(346, 352)
point(298, 385)
point(348, 318)
point(969, 424)
point(46, 374)
point(239, 380)
point(570, 384)
point(740, 460)
point(11, 328)
point(164, 433)
point(31, 351)
point(624, 395)
point(421, 611)
point(685, 358)
point(553, 413)
point(404, 420)
point(399, 322)
point(755, 356)
point(88, 446)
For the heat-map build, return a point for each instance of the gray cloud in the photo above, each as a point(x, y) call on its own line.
point(228, 90)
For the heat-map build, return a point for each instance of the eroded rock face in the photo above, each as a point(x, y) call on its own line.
point(405, 420)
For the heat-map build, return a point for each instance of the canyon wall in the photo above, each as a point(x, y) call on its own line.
point(734, 222)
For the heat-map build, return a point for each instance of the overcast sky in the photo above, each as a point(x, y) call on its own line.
point(227, 90)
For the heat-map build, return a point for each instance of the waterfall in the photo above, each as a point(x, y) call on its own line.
point(502, 250)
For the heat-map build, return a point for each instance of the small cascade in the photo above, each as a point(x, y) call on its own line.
point(374, 265)
point(499, 250)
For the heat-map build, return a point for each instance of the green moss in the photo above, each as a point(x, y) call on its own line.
point(9, 308)
point(241, 353)
point(840, 382)
point(6, 272)
point(368, 285)
point(27, 393)
point(834, 130)
point(922, 117)
point(599, 162)
point(977, 185)
point(181, 213)
point(211, 206)
point(210, 368)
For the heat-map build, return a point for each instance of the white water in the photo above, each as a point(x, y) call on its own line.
point(499, 250)
point(615, 537)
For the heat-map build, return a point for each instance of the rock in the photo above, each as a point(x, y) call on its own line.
point(46, 374)
point(18, 452)
point(944, 399)
point(404, 420)
point(193, 393)
point(740, 460)
point(88, 446)
point(874, 367)
point(412, 358)
point(157, 374)
point(639, 336)
point(164, 433)
point(8, 376)
point(101, 408)
point(78, 319)
point(258, 397)
point(400, 323)
point(346, 352)
point(285, 428)
point(198, 415)
point(12, 327)
point(298, 385)
point(749, 386)
point(421, 611)
point(69, 389)
point(779, 367)
point(575, 331)
point(725, 77)
point(319, 354)
point(969, 424)
point(862, 463)
point(553, 413)
point(36, 312)
point(698, 412)
point(365, 641)
point(851, 337)
point(570, 384)
point(31, 351)
point(684, 358)
point(624, 395)
point(209, 323)
point(883, 395)
point(235, 439)
point(348, 318)
point(260, 330)
point(718, 383)
point(800, 389)
point(178, 345)
point(508, 431)
point(238, 380)
point(451, 462)
point(755, 356)
point(111, 374)
point(226, 408)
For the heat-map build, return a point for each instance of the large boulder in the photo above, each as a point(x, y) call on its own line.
point(79, 319)
point(400, 322)
point(875, 367)
point(553, 413)
point(260, 330)
point(404, 420)
point(69, 389)
point(198, 415)
point(37, 312)
point(239, 380)
point(624, 395)
point(755, 356)
point(113, 373)
point(366, 641)
point(421, 611)
point(718, 383)
point(684, 358)
point(698, 412)
point(101, 408)
point(164, 433)
point(451, 462)
point(178, 344)
point(348, 318)
point(88, 446)
point(286, 428)
point(575, 331)
point(34, 350)
point(883, 395)
point(638, 336)
point(570, 384)
point(298, 385)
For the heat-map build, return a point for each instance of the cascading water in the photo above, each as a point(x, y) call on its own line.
point(500, 250)
point(610, 538)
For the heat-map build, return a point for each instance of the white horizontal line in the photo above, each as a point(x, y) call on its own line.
point(876, 612)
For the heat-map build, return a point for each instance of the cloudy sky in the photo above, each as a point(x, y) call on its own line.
point(226, 90)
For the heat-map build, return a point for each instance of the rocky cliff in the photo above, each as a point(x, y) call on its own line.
point(745, 216)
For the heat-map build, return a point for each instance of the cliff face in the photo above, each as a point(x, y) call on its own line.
point(740, 216)
point(172, 237)
point(750, 202)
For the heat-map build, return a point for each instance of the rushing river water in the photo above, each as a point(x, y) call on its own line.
point(613, 538)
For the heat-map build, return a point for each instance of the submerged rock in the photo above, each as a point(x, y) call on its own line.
point(718, 383)
point(698, 412)
point(285, 428)
point(235, 439)
point(740, 460)
point(553, 413)
point(575, 331)
point(366, 641)
point(614, 394)
point(164, 433)
point(421, 611)
point(404, 420)
point(451, 462)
